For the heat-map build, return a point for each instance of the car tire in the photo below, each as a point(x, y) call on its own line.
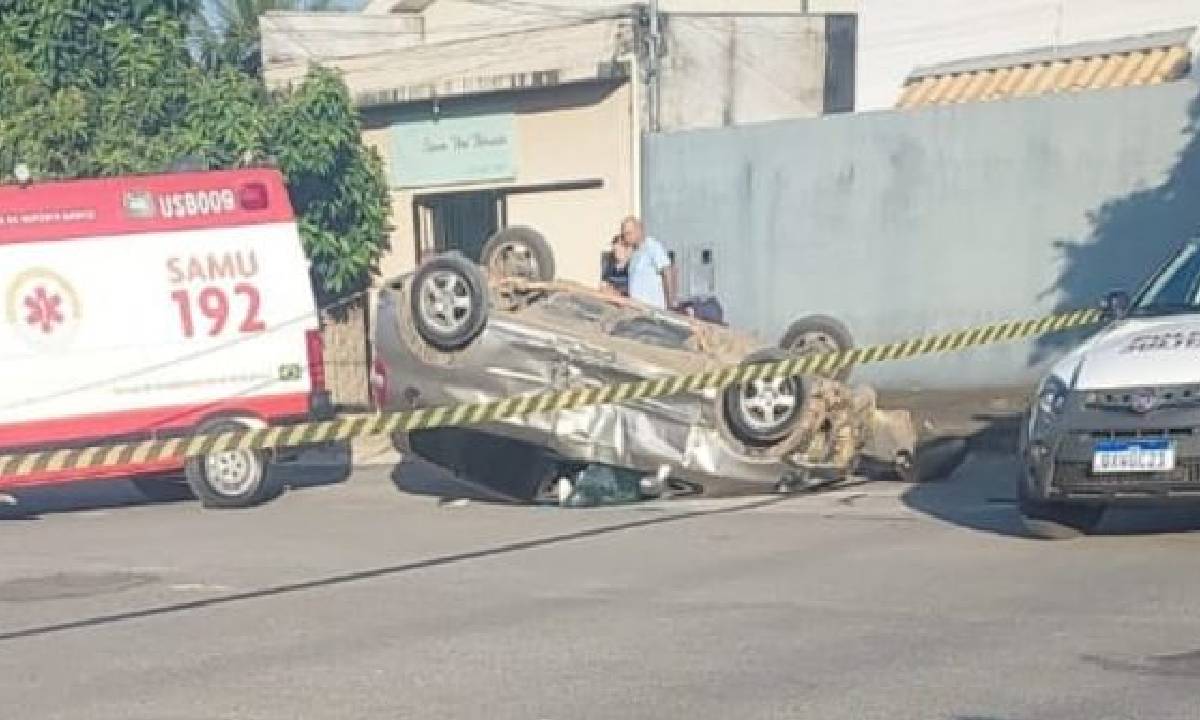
point(520, 252)
point(1055, 520)
point(759, 413)
point(234, 479)
point(449, 302)
point(163, 489)
point(819, 334)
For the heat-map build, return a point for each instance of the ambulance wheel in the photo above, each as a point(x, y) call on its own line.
point(232, 479)
point(163, 489)
point(518, 252)
point(449, 302)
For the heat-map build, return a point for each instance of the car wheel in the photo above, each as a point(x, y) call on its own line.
point(231, 479)
point(163, 489)
point(1056, 521)
point(519, 252)
point(763, 412)
point(817, 335)
point(449, 302)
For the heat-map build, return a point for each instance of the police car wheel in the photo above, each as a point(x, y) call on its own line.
point(231, 479)
point(449, 302)
point(1057, 521)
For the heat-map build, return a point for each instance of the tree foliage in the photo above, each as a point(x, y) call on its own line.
point(229, 31)
point(108, 87)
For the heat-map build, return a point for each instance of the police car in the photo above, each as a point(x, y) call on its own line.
point(1118, 419)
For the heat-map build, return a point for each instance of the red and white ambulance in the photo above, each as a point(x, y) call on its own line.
point(155, 306)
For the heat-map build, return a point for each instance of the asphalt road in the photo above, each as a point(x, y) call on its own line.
point(355, 599)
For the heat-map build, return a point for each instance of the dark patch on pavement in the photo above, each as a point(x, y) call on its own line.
point(71, 585)
point(1181, 665)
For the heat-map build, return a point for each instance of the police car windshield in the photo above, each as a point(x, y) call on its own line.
point(1175, 288)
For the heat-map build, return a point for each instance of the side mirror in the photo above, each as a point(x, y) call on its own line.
point(1115, 305)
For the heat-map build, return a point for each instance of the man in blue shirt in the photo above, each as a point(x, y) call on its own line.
point(651, 275)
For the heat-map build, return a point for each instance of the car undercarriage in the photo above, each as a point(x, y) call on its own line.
point(449, 334)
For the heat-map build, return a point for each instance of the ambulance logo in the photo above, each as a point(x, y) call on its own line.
point(45, 310)
point(139, 204)
point(42, 308)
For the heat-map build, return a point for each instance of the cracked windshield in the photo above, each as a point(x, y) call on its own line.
point(564, 359)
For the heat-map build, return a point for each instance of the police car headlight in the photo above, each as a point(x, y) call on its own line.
point(1052, 397)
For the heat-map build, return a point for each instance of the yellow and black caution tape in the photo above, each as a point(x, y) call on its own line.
point(291, 436)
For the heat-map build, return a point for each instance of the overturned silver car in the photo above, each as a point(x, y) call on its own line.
point(453, 332)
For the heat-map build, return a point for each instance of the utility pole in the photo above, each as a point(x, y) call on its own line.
point(653, 68)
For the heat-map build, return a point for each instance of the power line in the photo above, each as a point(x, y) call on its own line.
point(745, 61)
point(387, 57)
point(542, 8)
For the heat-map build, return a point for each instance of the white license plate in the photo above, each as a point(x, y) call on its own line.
point(1133, 456)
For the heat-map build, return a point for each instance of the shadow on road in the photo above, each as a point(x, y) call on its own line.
point(1130, 235)
point(464, 463)
point(382, 572)
point(313, 468)
point(420, 477)
point(980, 492)
point(977, 490)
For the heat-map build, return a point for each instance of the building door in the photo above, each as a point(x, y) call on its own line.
point(458, 221)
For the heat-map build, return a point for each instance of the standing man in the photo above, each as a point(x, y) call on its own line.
point(651, 275)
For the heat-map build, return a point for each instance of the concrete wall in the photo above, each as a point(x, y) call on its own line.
point(565, 134)
point(722, 71)
point(344, 335)
point(447, 20)
point(897, 36)
point(289, 37)
point(911, 222)
point(380, 7)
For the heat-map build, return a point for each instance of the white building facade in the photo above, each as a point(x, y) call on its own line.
point(897, 37)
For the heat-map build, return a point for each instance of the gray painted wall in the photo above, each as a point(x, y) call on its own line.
point(902, 223)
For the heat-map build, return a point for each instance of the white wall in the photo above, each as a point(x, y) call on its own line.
point(896, 36)
point(564, 134)
point(723, 71)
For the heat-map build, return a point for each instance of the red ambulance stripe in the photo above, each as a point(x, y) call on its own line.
point(144, 421)
point(65, 210)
